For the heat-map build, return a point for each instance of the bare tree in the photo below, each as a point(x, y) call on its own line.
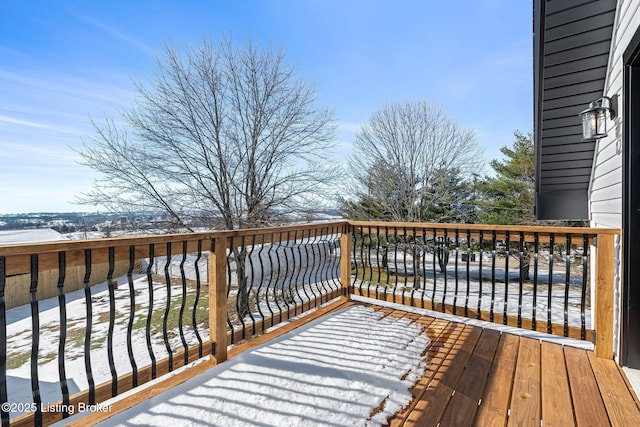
point(405, 161)
point(222, 137)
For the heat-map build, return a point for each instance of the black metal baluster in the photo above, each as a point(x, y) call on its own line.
point(433, 265)
point(337, 244)
point(521, 279)
point(416, 266)
point(549, 299)
point(270, 283)
point(506, 277)
point(583, 297)
point(62, 306)
point(262, 278)
point(536, 247)
point(386, 255)
point(112, 322)
point(362, 262)
point(132, 314)
point(322, 265)
point(309, 267)
point(241, 278)
point(183, 302)
point(230, 255)
point(167, 309)
point(87, 335)
point(280, 277)
point(35, 340)
point(289, 280)
point(395, 262)
point(481, 242)
point(370, 265)
point(466, 300)
point(271, 279)
point(304, 268)
point(445, 262)
point(455, 270)
point(355, 257)
point(253, 278)
point(196, 300)
point(493, 275)
point(567, 284)
point(424, 266)
point(296, 270)
point(150, 310)
point(404, 261)
point(297, 266)
point(381, 254)
point(4, 397)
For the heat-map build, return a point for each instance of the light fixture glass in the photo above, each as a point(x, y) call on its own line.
point(594, 118)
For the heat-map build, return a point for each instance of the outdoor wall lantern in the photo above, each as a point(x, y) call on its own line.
point(594, 118)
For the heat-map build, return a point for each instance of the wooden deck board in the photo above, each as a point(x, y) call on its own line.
point(618, 400)
point(436, 356)
point(467, 394)
point(557, 408)
point(434, 400)
point(494, 405)
point(587, 402)
point(525, 397)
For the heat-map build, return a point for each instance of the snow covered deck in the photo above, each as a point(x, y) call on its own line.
point(360, 364)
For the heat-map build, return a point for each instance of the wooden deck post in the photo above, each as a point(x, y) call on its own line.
point(345, 260)
point(218, 297)
point(605, 266)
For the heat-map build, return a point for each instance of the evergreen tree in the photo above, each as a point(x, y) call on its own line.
point(509, 197)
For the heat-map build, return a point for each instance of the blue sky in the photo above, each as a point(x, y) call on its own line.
point(62, 62)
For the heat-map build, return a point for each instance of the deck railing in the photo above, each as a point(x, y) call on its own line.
point(182, 297)
point(536, 278)
point(169, 300)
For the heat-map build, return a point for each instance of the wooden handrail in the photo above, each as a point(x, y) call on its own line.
point(543, 229)
point(76, 245)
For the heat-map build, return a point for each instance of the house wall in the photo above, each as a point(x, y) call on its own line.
point(605, 190)
point(571, 52)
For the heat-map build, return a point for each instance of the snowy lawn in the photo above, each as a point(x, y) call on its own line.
point(354, 367)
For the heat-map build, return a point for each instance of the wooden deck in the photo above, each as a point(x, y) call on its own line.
point(482, 377)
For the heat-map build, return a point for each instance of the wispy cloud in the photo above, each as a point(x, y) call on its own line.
point(64, 85)
point(137, 44)
point(40, 125)
point(15, 121)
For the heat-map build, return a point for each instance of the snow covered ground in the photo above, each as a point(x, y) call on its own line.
point(351, 368)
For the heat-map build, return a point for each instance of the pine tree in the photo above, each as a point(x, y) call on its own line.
point(509, 197)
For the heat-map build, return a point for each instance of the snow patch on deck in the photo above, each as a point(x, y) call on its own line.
point(354, 367)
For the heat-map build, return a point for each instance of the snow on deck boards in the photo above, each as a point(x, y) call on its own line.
point(353, 367)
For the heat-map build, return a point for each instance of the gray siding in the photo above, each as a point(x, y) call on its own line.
point(571, 54)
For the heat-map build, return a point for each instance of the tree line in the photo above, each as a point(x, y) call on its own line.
point(227, 136)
